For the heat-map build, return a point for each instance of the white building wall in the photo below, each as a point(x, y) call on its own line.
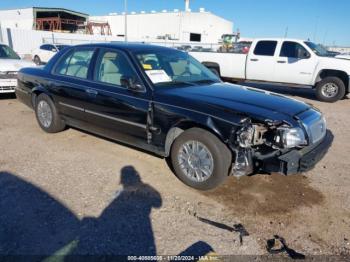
point(17, 18)
point(179, 25)
point(25, 41)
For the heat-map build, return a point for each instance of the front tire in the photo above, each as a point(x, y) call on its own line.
point(330, 89)
point(200, 159)
point(47, 116)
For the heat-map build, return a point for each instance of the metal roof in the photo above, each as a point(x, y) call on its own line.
point(56, 9)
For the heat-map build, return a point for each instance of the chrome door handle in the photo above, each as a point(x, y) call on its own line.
point(281, 62)
point(254, 60)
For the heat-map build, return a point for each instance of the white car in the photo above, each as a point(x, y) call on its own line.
point(45, 52)
point(290, 62)
point(10, 64)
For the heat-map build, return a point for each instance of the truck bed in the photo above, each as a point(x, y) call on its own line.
point(231, 65)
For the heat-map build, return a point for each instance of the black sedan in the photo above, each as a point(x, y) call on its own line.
point(164, 101)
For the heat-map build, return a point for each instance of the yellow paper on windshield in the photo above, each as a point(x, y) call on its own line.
point(147, 66)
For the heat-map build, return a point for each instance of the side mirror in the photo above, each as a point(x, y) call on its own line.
point(303, 54)
point(131, 83)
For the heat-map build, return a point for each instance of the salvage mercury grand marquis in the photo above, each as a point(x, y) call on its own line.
point(164, 101)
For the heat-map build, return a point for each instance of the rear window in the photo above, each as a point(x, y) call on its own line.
point(265, 48)
point(75, 64)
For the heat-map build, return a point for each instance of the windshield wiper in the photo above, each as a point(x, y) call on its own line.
point(176, 83)
point(205, 81)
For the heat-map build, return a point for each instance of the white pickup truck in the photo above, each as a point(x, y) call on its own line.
point(284, 61)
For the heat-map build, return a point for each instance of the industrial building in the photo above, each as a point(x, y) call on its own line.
point(182, 26)
point(42, 18)
point(176, 25)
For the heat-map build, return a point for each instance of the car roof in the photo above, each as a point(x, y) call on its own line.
point(134, 47)
point(280, 39)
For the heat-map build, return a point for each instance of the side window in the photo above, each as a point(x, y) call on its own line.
point(265, 48)
point(75, 64)
point(111, 67)
point(44, 47)
point(292, 50)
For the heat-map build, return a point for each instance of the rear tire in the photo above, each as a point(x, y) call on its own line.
point(330, 89)
point(47, 116)
point(206, 165)
point(37, 60)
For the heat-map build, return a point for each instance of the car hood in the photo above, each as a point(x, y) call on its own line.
point(228, 98)
point(14, 64)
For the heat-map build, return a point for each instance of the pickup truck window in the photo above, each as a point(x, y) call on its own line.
point(75, 64)
point(111, 67)
point(317, 49)
point(166, 68)
point(265, 48)
point(292, 50)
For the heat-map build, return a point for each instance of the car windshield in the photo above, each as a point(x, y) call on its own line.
point(317, 49)
point(7, 53)
point(173, 68)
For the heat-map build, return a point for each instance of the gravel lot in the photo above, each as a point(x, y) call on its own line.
point(62, 194)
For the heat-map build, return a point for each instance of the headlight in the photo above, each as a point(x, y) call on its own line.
point(291, 137)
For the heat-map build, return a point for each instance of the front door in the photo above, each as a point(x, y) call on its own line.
point(294, 64)
point(113, 108)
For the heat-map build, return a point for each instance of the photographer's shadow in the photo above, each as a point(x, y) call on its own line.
point(34, 223)
point(124, 227)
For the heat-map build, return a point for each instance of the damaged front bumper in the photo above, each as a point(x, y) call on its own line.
point(297, 161)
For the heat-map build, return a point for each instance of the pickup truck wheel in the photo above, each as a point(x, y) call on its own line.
point(200, 159)
point(47, 116)
point(330, 89)
point(37, 60)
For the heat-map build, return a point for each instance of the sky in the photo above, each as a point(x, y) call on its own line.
point(323, 21)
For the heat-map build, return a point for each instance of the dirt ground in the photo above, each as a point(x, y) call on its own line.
point(62, 194)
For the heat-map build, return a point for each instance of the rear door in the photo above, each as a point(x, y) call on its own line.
point(294, 64)
point(70, 82)
point(261, 61)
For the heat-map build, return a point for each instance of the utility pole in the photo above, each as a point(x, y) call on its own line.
point(126, 20)
point(286, 32)
point(316, 28)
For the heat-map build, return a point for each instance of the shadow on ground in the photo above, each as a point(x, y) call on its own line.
point(7, 96)
point(34, 223)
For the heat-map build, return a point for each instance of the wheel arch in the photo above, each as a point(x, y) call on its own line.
point(38, 91)
point(176, 130)
point(213, 65)
point(342, 75)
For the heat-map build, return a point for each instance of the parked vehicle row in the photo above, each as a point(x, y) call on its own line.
point(284, 61)
point(10, 64)
point(164, 101)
